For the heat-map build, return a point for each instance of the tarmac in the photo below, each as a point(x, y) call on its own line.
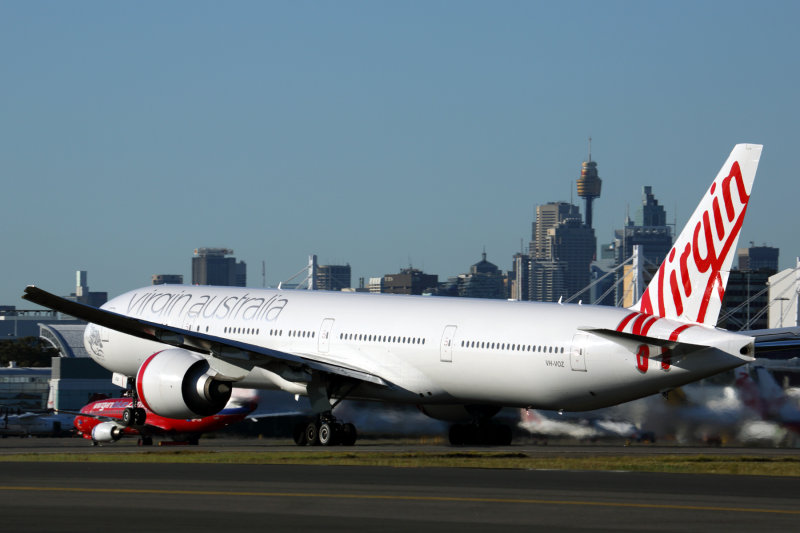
point(118, 496)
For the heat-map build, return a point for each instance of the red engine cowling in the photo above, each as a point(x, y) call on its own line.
point(177, 383)
point(106, 432)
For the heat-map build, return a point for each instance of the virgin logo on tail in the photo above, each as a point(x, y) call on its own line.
point(691, 281)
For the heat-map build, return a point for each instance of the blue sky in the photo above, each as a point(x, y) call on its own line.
point(374, 133)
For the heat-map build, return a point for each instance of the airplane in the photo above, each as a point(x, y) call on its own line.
point(762, 393)
point(101, 422)
point(180, 349)
point(29, 424)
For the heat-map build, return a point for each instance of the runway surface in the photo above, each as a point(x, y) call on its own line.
point(15, 445)
point(166, 497)
point(159, 497)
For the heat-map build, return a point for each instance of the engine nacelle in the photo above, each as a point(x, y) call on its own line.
point(459, 413)
point(177, 383)
point(106, 432)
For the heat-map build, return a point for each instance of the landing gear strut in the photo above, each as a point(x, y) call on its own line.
point(134, 415)
point(324, 430)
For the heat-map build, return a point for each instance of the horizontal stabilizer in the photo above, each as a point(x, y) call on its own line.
point(615, 336)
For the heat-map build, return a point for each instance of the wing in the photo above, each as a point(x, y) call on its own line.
point(224, 355)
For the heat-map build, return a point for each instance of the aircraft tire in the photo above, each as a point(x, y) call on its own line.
point(327, 434)
point(128, 417)
point(312, 434)
point(139, 416)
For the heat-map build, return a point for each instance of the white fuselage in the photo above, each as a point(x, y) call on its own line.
point(435, 350)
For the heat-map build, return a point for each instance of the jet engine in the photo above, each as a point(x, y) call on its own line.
point(177, 383)
point(106, 432)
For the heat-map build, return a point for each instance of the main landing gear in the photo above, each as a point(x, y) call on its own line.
point(134, 415)
point(324, 430)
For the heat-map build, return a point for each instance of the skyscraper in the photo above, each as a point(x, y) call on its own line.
point(83, 294)
point(649, 230)
point(333, 277)
point(746, 299)
point(211, 267)
point(758, 258)
point(561, 253)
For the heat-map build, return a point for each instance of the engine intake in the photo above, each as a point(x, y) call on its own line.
point(106, 432)
point(177, 383)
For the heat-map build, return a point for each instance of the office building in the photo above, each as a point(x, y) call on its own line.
point(561, 252)
point(758, 258)
point(519, 277)
point(484, 280)
point(746, 301)
point(211, 266)
point(167, 279)
point(784, 289)
point(332, 277)
point(82, 293)
point(410, 281)
point(744, 305)
point(648, 229)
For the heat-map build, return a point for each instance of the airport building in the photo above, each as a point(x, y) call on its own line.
point(211, 266)
point(784, 289)
point(73, 383)
point(18, 323)
point(24, 389)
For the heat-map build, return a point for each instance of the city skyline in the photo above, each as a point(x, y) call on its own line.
point(375, 134)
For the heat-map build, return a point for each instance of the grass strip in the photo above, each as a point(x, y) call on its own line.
point(685, 464)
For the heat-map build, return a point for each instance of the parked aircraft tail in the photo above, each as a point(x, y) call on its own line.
point(691, 281)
